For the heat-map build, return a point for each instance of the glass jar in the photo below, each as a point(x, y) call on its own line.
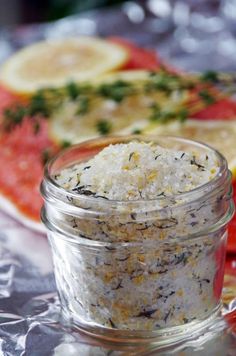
point(138, 269)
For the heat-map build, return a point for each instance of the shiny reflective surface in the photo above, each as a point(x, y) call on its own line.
point(194, 36)
point(30, 313)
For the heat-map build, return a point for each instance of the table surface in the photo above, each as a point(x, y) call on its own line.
point(193, 35)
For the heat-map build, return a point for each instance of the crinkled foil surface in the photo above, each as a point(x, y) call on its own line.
point(192, 35)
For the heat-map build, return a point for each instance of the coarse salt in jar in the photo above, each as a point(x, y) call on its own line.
point(138, 230)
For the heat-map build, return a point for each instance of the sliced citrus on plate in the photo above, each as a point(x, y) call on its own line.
point(220, 134)
point(55, 63)
point(116, 103)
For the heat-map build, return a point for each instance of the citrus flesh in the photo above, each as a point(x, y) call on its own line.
point(55, 63)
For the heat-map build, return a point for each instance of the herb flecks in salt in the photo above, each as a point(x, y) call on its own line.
point(140, 170)
point(143, 288)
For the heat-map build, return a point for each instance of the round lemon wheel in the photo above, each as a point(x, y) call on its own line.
point(220, 134)
point(55, 63)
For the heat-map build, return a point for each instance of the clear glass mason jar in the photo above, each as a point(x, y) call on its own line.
point(138, 269)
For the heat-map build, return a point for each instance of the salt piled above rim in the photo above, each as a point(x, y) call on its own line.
point(157, 264)
point(139, 170)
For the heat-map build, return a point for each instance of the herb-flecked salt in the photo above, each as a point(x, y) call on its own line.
point(159, 277)
point(139, 170)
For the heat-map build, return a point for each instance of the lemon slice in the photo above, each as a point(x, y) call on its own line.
point(121, 117)
point(55, 63)
point(220, 134)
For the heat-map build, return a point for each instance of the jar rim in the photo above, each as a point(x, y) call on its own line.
point(103, 142)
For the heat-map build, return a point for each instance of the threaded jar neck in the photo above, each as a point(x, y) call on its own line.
point(185, 215)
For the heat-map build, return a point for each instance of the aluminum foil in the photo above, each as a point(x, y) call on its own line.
point(30, 321)
point(192, 35)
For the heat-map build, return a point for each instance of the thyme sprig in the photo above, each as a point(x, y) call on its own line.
point(46, 101)
point(210, 76)
point(164, 116)
point(42, 104)
point(168, 83)
point(116, 91)
point(206, 97)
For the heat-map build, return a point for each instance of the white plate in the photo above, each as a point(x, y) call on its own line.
point(8, 207)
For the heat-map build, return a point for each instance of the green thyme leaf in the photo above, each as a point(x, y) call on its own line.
point(206, 97)
point(116, 91)
point(83, 107)
point(155, 112)
point(104, 127)
point(164, 116)
point(160, 82)
point(14, 116)
point(72, 90)
point(39, 105)
point(209, 76)
point(65, 144)
point(167, 83)
point(182, 114)
point(137, 132)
